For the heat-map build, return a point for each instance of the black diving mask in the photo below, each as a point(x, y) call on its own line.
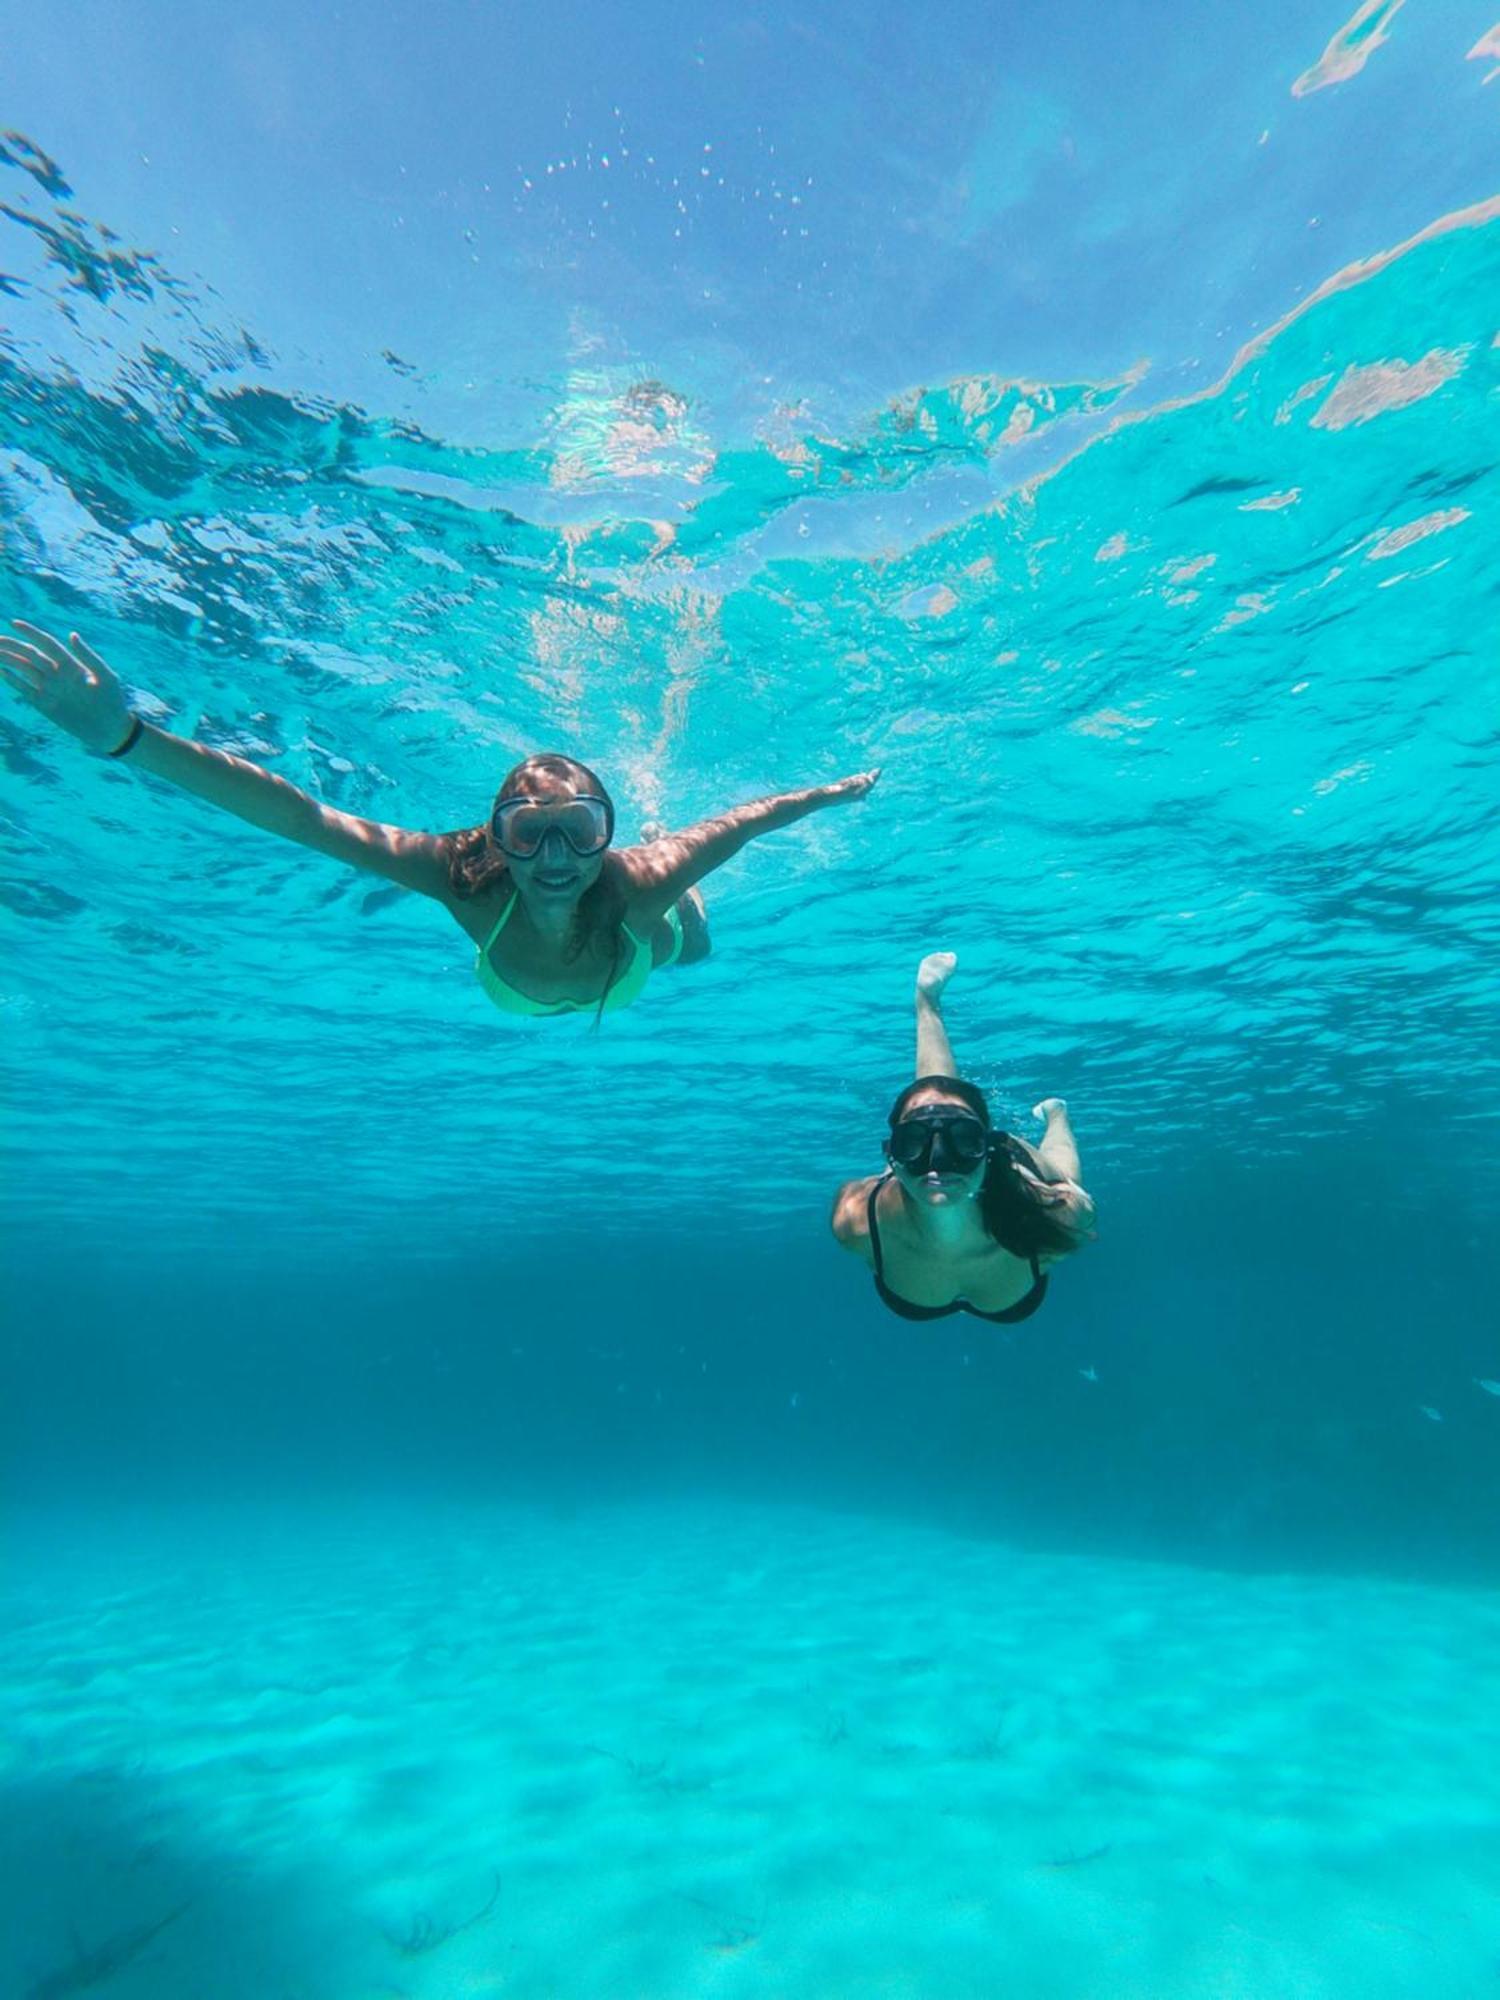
point(938, 1141)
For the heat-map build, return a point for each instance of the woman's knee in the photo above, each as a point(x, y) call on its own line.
point(696, 943)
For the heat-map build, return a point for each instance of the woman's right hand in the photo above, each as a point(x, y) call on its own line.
point(69, 684)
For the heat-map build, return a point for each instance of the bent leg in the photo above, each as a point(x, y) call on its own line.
point(693, 917)
point(1057, 1149)
point(934, 1050)
point(687, 941)
point(681, 937)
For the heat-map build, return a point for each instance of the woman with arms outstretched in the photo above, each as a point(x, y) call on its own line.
point(560, 922)
point(965, 1218)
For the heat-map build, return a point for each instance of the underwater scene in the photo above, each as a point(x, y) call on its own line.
point(750, 976)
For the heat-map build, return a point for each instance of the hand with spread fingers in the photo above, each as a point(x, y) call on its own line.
point(69, 684)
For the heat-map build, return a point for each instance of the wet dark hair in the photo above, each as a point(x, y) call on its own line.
point(475, 864)
point(1008, 1205)
point(950, 1086)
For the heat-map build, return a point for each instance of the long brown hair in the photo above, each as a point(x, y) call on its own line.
point(1009, 1207)
point(475, 864)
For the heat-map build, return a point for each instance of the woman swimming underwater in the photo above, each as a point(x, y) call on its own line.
point(965, 1218)
point(561, 921)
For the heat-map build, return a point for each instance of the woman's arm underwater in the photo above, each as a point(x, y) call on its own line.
point(657, 875)
point(1067, 1204)
point(74, 688)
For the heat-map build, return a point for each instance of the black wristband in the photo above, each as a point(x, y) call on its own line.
point(132, 737)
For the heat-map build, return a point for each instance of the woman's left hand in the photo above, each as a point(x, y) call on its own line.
point(849, 788)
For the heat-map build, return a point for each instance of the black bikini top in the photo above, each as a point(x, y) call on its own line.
point(1022, 1309)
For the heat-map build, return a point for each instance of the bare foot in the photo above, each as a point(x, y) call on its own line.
point(934, 973)
point(1050, 1108)
point(652, 829)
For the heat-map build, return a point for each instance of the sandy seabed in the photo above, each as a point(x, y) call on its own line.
point(719, 1749)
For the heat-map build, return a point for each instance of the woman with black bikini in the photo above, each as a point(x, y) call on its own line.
point(965, 1218)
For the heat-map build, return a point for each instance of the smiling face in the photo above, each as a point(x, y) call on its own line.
point(938, 1148)
point(552, 825)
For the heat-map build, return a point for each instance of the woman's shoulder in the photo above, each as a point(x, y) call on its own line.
point(850, 1219)
point(481, 909)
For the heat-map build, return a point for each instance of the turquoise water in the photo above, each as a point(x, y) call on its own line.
point(1187, 740)
point(444, 1451)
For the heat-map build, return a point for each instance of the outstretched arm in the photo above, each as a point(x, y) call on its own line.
point(72, 686)
point(665, 870)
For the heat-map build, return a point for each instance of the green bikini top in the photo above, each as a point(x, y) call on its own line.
point(625, 989)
